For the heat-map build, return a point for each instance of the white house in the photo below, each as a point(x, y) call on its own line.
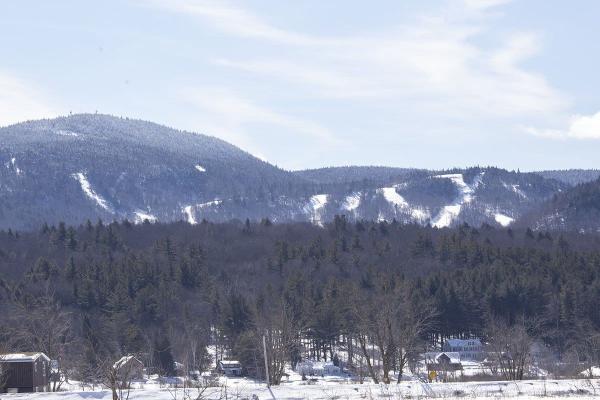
point(317, 368)
point(230, 367)
point(468, 349)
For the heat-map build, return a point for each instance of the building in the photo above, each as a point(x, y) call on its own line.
point(24, 372)
point(129, 368)
point(317, 368)
point(443, 361)
point(230, 368)
point(469, 349)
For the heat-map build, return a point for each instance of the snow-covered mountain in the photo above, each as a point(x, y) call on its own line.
point(96, 166)
point(576, 209)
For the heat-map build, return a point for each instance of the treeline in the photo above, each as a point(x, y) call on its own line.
point(385, 292)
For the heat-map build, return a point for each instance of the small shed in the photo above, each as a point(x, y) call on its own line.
point(129, 368)
point(444, 361)
point(24, 372)
point(230, 367)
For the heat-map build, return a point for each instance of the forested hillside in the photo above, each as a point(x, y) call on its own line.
point(91, 293)
point(576, 209)
point(572, 176)
point(92, 166)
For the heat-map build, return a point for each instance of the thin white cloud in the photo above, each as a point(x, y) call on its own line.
point(231, 19)
point(579, 127)
point(230, 116)
point(20, 101)
point(241, 111)
point(485, 4)
point(432, 64)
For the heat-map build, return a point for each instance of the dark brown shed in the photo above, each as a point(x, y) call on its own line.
point(24, 372)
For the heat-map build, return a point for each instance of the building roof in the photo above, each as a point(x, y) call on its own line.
point(434, 357)
point(124, 360)
point(230, 364)
point(463, 342)
point(23, 357)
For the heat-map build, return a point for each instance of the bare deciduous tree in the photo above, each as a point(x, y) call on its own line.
point(117, 377)
point(280, 332)
point(511, 348)
point(588, 353)
point(409, 326)
point(43, 326)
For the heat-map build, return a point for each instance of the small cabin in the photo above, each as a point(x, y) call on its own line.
point(129, 368)
point(443, 362)
point(24, 372)
point(230, 368)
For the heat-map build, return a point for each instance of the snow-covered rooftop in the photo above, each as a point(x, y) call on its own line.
point(230, 364)
point(124, 360)
point(435, 356)
point(463, 342)
point(22, 357)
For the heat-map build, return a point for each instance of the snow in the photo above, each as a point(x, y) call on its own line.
point(450, 212)
point(463, 342)
point(393, 197)
point(62, 132)
point(515, 188)
point(338, 387)
point(141, 216)
point(595, 371)
point(14, 357)
point(122, 361)
point(89, 191)
point(503, 220)
point(189, 211)
point(390, 194)
point(13, 164)
point(315, 208)
point(351, 202)
point(200, 168)
point(189, 215)
point(215, 202)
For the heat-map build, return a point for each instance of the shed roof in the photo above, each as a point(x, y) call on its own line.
point(23, 357)
point(435, 356)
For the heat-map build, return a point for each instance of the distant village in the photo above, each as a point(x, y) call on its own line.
point(458, 360)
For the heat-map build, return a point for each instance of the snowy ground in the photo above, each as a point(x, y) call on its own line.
point(332, 388)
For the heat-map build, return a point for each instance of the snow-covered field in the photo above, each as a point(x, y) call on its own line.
point(332, 387)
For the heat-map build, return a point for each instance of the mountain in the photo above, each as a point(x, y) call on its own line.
point(576, 209)
point(572, 176)
point(354, 174)
point(441, 198)
point(98, 166)
point(93, 166)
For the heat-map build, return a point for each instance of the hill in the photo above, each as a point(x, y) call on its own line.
point(93, 167)
point(576, 209)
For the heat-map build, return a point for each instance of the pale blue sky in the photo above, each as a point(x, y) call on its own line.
point(314, 83)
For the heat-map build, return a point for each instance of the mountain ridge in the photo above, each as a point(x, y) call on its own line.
point(90, 166)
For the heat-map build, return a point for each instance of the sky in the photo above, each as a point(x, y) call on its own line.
point(312, 83)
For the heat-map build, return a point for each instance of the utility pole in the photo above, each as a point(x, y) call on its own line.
point(266, 362)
